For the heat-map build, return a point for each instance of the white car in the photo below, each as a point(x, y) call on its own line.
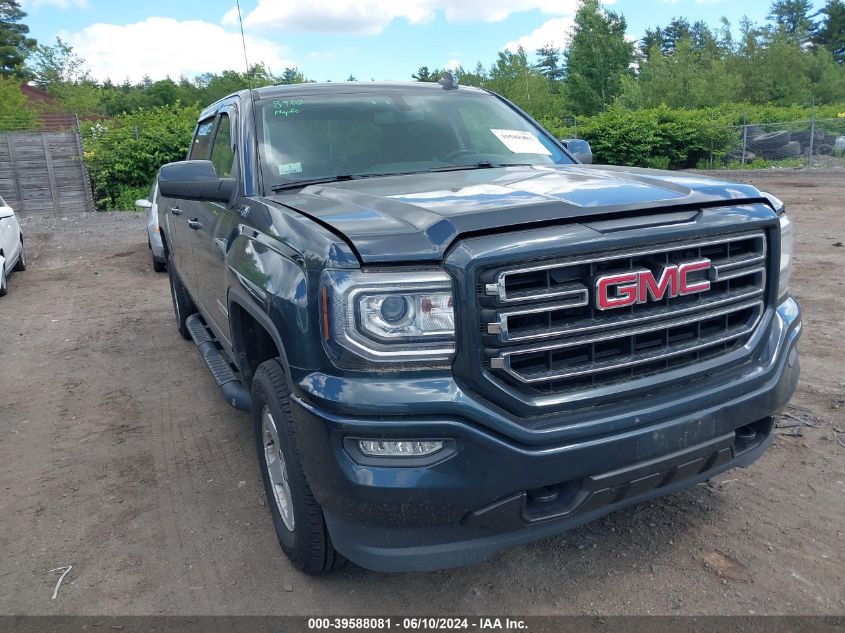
point(12, 251)
point(150, 207)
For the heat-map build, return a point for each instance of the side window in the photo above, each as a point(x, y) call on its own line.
point(222, 155)
point(201, 148)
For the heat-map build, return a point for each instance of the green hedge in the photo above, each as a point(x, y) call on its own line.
point(677, 138)
point(124, 154)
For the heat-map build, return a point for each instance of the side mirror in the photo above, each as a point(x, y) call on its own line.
point(579, 148)
point(194, 180)
point(143, 204)
point(6, 212)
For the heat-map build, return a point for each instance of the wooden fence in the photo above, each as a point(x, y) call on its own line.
point(44, 174)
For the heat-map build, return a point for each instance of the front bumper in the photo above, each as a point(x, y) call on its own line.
point(496, 490)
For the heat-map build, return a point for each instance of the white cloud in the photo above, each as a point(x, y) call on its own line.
point(31, 5)
point(368, 17)
point(230, 18)
point(554, 32)
point(163, 46)
point(452, 64)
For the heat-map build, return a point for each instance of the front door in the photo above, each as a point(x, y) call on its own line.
point(217, 222)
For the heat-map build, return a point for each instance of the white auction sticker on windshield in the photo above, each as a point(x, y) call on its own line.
point(521, 142)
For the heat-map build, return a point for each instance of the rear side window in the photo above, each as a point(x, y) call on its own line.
point(201, 148)
point(222, 155)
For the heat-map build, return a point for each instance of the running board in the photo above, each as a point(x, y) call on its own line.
point(234, 392)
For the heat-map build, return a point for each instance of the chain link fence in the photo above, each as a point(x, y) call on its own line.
point(816, 143)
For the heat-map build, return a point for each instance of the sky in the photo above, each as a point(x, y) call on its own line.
point(329, 39)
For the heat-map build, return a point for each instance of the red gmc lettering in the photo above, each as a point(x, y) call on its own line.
point(691, 267)
point(627, 292)
point(619, 290)
point(651, 287)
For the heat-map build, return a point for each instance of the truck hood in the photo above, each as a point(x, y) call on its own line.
point(415, 218)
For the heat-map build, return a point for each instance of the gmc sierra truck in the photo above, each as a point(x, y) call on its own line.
point(451, 335)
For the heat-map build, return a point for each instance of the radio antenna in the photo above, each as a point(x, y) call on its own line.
point(243, 41)
point(260, 177)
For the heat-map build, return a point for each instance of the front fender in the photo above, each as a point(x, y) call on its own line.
point(271, 282)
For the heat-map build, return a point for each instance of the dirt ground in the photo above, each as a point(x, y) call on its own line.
point(119, 457)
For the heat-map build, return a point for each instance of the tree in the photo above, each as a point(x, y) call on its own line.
point(677, 30)
point(598, 58)
point(292, 76)
point(831, 31)
point(424, 74)
point(513, 77)
point(16, 113)
point(56, 64)
point(793, 17)
point(15, 46)
point(548, 63)
point(477, 77)
point(652, 41)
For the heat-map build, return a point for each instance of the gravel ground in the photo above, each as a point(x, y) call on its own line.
point(119, 457)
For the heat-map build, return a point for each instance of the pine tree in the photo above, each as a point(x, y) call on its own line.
point(548, 63)
point(793, 17)
point(831, 31)
point(15, 46)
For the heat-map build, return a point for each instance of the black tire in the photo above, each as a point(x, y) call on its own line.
point(307, 543)
point(791, 150)
point(21, 265)
point(183, 306)
point(772, 139)
point(159, 267)
point(3, 289)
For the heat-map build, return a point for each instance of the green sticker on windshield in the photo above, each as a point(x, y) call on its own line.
point(287, 107)
point(289, 168)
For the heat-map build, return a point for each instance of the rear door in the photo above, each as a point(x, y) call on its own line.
point(179, 212)
point(217, 222)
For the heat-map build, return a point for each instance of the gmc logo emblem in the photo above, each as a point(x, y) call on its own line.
point(618, 290)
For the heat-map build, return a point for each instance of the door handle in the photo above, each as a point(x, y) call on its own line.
point(176, 211)
point(194, 224)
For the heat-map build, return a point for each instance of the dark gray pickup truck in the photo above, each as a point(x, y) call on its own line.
point(451, 335)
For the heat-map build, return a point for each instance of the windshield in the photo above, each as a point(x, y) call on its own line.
point(393, 131)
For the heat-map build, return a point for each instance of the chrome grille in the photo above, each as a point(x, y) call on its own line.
point(543, 334)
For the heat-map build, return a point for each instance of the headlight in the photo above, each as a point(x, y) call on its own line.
point(388, 318)
point(785, 256)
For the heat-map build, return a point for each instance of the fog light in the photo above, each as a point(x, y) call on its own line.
point(412, 448)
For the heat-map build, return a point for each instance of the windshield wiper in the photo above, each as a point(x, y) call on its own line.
point(484, 164)
point(295, 184)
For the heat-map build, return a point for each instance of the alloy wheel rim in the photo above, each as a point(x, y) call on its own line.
point(274, 462)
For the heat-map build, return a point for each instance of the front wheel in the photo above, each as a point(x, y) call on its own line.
point(297, 517)
point(3, 289)
point(183, 306)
